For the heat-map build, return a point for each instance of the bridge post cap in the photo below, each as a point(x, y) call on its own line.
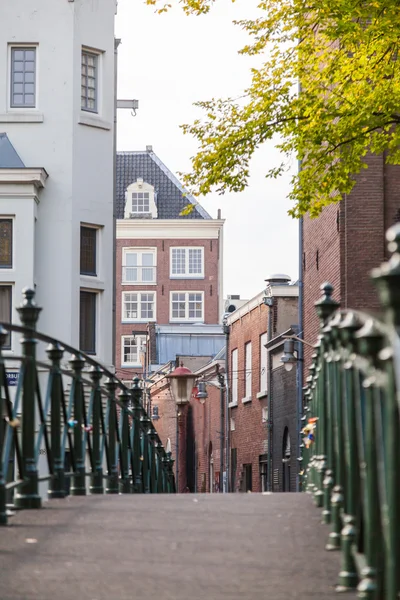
point(326, 305)
point(28, 309)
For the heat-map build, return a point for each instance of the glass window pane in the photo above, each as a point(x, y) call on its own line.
point(88, 251)
point(87, 333)
point(30, 55)
point(18, 54)
point(5, 243)
point(18, 99)
point(29, 100)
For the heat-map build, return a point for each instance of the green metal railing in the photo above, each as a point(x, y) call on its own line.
point(351, 455)
point(69, 419)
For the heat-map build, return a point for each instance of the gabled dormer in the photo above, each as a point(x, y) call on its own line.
point(140, 201)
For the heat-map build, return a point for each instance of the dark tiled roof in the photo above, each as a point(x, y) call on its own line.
point(9, 158)
point(170, 197)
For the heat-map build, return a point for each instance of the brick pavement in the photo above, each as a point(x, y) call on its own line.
point(187, 547)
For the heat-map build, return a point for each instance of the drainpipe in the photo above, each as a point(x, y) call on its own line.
point(270, 303)
point(227, 411)
point(222, 427)
point(114, 286)
point(300, 354)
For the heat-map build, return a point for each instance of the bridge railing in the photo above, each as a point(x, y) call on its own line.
point(69, 420)
point(351, 454)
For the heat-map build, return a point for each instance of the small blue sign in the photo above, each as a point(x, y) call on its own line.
point(12, 377)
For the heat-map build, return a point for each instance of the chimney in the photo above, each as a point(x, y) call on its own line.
point(149, 148)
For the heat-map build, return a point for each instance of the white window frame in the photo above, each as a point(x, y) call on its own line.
point(97, 55)
point(22, 107)
point(187, 319)
point(263, 366)
point(125, 319)
point(139, 251)
point(247, 372)
point(186, 274)
point(141, 339)
point(235, 378)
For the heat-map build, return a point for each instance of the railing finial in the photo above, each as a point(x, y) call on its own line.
point(28, 310)
point(326, 305)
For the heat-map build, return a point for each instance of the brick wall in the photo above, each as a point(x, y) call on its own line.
point(348, 239)
point(250, 432)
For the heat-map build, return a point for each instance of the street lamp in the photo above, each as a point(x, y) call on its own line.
point(288, 358)
point(182, 381)
point(202, 393)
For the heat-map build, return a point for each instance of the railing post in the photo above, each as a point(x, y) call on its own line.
point(160, 467)
point(124, 480)
point(3, 475)
point(112, 480)
point(57, 484)
point(145, 453)
point(153, 458)
point(387, 281)
point(28, 496)
point(96, 479)
point(78, 487)
point(136, 394)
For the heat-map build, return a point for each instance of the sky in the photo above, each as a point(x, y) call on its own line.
point(170, 61)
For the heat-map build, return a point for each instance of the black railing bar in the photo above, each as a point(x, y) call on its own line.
point(46, 477)
point(14, 484)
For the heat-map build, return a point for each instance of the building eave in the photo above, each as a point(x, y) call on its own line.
point(35, 176)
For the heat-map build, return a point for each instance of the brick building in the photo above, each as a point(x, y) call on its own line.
point(203, 425)
point(347, 241)
point(169, 269)
point(253, 370)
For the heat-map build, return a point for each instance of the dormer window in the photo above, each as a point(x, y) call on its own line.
point(140, 201)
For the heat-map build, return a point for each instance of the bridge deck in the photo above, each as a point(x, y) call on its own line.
point(239, 546)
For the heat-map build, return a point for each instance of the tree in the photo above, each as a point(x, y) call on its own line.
point(344, 53)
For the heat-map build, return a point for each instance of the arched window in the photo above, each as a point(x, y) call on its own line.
point(140, 200)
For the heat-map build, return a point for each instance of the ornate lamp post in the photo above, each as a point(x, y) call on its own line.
point(182, 381)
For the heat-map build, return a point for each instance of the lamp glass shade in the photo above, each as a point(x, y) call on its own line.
point(181, 388)
point(288, 366)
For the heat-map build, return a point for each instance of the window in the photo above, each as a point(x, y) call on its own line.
point(89, 81)
point(235, 376)
point(138, 266)
point(88, 251)
point(23, 77)
point(6, 243)
point(132, 346)
point(247, 372)
point(263, 363)
point(187, 262)
point(5, 309)
point(140, 202)
point(87, 333)
point(138, 306)
point(186, 306)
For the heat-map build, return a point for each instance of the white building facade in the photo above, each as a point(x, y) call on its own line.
point(57, 106)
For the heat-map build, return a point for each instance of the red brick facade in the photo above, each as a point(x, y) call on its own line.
point(347, 241)
point(209, 285)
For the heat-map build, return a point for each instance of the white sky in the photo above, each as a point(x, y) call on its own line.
point(168, 62)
